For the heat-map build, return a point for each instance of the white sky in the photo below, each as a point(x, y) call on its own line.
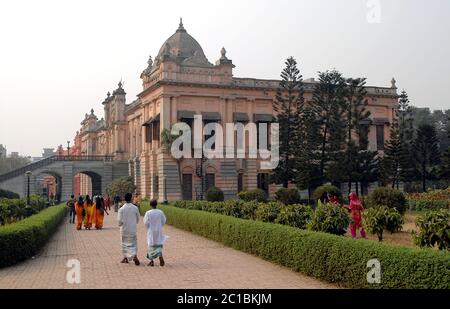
point(58, 59)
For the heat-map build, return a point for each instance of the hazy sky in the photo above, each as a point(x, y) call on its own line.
point(58, 59)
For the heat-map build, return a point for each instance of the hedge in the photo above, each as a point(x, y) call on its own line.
point(327, 257)
point(8, 194)
point(22, 240)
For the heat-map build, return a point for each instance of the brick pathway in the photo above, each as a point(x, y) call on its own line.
point(191, 262)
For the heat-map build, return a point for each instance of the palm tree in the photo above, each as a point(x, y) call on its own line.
point(167, 139)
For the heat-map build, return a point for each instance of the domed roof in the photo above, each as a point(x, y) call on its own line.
point(184, 49)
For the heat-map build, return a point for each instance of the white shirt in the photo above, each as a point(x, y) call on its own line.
point(154, 220)
point(128, 219)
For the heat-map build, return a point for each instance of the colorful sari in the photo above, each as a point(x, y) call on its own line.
point(356, 209)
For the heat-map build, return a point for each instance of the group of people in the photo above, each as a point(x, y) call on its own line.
point(355, 207)
point(89, 211)
point(154, 220)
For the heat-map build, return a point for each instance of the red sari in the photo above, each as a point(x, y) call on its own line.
point(356, 209)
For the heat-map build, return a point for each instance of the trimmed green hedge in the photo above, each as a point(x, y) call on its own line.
point(22, 240)
point(327, 257)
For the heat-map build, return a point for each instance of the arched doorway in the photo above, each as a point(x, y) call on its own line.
point(49, 185)
point(87, 183)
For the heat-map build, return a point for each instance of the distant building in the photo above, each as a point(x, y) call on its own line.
point(48, 152)
point(14, 154)
point(2, 151)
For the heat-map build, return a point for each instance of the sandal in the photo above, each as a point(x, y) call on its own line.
point(124, 261)
point(151, 264)
point(161, 261)
point(136, 261)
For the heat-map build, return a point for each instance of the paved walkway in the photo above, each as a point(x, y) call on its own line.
point(191, 262)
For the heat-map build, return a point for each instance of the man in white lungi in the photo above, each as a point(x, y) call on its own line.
point(128, 219)
point(154, 220)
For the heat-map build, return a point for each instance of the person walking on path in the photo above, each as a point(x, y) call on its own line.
point(79, 209)
point(107, 202)
point(116, 203)
point(128, 219)
point(356, 208)
point(154, 221)
point(89, 213)
point(100, 211)
point(71, 205)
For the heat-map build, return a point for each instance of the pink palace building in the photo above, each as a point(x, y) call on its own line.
point(178, 84)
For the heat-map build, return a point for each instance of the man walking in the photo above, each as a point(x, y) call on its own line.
point(154, 221)
point(71, 205)
point(128, 219)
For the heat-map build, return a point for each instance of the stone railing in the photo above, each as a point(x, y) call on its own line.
point(47, 161)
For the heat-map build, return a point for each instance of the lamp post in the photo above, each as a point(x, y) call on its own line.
point(28, 206)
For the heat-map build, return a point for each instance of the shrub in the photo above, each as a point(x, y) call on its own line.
point(232, 208)
point(327, 257)
point(392, 198)
point(248, 210)
point(214, 194)
point(8, 194)
point(121, 186)
point(324, 189)
point(268, 212)
point(376, 220)
point(288, 196)
point(255, 195)
point(22, 240)
point(295, 215)
point(434, 229)
point(330, 219)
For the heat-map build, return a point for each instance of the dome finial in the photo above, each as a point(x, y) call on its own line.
point(181, 27)
point(393, 83)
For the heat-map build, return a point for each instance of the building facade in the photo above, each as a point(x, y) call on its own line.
point(181, 83)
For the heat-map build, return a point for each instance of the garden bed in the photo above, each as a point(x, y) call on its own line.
point(327, 257)
point(23, 239)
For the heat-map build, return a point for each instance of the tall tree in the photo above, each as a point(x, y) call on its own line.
point(426, 153)
point(392, 160)
point(307, 158)
point(8, 164)
point(444, 172)
point(289, 101)
point(406, 133)
point(356, 118)
point(328, 99)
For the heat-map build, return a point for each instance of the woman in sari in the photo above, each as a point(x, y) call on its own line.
point(79, 207)
point(100, 210)
point(356, 208)
point(89, 210)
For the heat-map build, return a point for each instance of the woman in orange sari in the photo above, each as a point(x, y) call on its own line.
point(89, 210)
point(79, 207)
point(100, 210)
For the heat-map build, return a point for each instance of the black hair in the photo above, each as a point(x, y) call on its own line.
point(128, 197)
point(154, 203)
point(80, 200)
point(98, 202)
point(88, 200)
point(72, 196)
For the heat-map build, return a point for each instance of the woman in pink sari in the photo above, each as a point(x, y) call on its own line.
point(356, 208)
